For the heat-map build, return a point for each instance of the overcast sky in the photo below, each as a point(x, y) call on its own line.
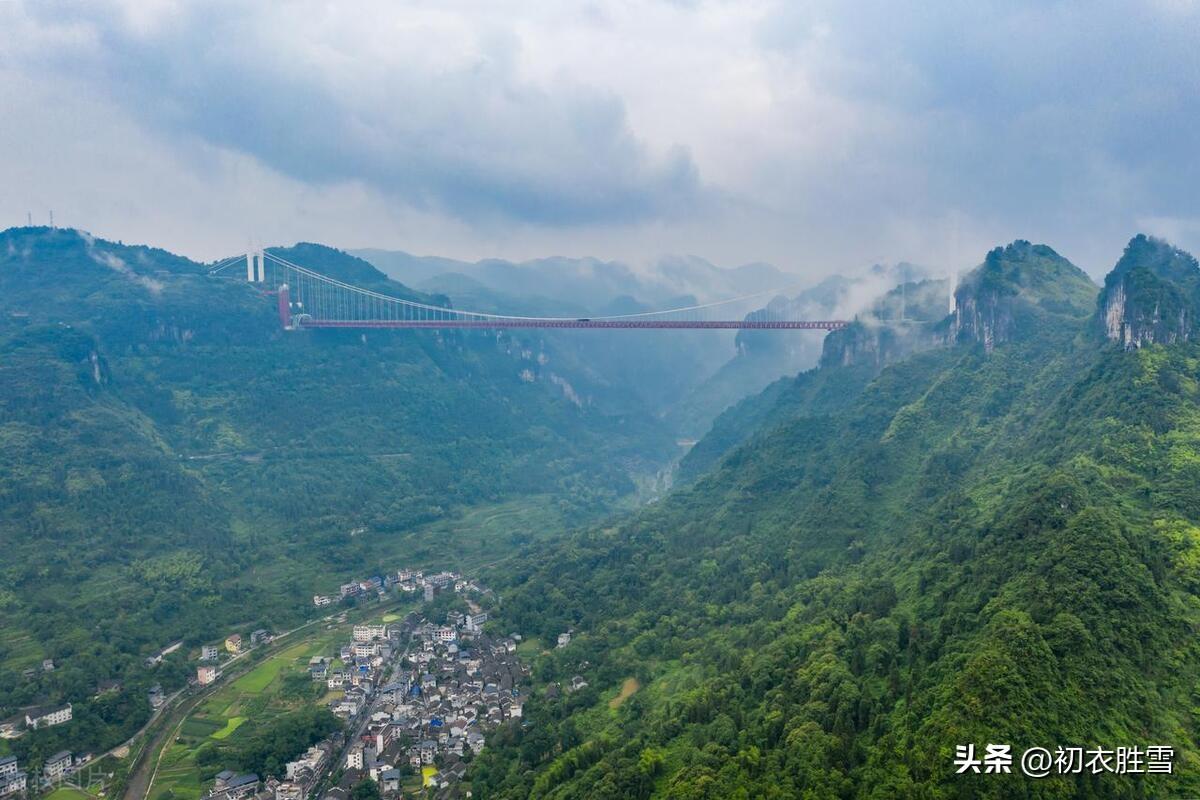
point(821, 137)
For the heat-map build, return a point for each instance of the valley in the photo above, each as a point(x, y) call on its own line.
point(821, 591)
point(599, 400)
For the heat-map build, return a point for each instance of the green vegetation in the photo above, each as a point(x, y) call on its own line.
point(231, 725)
point(1153, 294)
point(628, 687)
point(995, 542)
point(271, 746)
point(176, 466)
point(966, 530)
point(251, 718)
point(365, 789)
point(68, 793)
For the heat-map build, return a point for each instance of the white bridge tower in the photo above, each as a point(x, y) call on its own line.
point(256, 266)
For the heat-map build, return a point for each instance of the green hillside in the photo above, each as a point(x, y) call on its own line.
point(994, 541)
point(175, 464)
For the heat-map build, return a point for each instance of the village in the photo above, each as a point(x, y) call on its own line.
point(418, 697)
point(14, 779)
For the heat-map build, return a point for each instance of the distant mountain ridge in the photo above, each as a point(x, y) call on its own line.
point(1009, 295)
point(994, 539)
point(672, 369)
point(765, 356)
point(589, 283)
point(182, 464)
point(687, 378)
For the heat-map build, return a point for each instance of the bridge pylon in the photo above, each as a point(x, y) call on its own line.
point(285, 307)
point(256, 267)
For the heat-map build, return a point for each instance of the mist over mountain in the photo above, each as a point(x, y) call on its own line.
point(794, 400)
point(955, 522)
point(184, 464)
point(987, 536)
point(590, 283)
point(686, 377)
point(765, 356)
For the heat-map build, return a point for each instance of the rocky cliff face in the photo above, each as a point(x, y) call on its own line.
point(998, 300)
point(983, 314)
point(902, 322)
point(1152, 296)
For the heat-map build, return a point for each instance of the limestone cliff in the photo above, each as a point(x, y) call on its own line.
point(1000, 299)
point(1151, 296)
point(902, 322)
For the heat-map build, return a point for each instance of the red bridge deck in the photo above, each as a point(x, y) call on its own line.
point(821, 325)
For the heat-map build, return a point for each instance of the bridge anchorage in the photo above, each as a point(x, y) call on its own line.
point(308, 299)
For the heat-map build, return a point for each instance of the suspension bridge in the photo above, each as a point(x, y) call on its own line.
point(306, 298)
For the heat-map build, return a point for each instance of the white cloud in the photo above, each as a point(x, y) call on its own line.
point(819, 136)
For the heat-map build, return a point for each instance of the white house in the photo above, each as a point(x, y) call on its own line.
point(57, 765)
point(12, 779)
point(48, 717)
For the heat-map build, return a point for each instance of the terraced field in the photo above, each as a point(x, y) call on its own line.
point(251, 700)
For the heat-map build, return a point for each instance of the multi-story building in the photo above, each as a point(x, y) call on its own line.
point(290, 790)
point(206, 674)
point(384, 736)
point(57, 765)
point(12, 779)
point(231, 786)
point(365, 633)
point(48, 717)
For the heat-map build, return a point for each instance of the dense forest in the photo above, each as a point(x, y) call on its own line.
point(994, 540)
point(965, 529)
point(175, 464)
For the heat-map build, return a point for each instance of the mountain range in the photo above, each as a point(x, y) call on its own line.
point(960, 523)
point(958, 530)
point(175, 463)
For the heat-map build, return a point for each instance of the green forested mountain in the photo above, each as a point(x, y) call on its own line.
point(905, 320)
point(1152, 295)
point(686, 378)
point(174, 464)
point(965, 529)
point(995, 540)
point(1018, 288)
